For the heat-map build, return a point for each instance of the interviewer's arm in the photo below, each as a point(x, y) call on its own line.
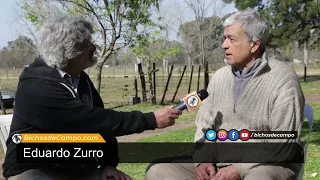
point(58, 111)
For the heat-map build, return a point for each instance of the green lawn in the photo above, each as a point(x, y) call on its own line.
point(312, 164)
point(120, 91)
point(114, 96)
point(137, 170)
point(312, 86)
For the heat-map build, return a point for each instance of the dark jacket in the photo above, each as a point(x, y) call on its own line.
point(46, 103)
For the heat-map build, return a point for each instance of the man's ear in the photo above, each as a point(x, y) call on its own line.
point(255, 45)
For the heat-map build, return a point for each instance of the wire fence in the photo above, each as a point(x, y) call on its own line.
point(118, 83)
point(119, 89)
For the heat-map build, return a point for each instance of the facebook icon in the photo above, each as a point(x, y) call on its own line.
point(233, 135)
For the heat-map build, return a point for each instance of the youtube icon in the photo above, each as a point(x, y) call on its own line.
point(244, 135)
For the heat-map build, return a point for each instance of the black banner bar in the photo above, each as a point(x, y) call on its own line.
point(150, 152)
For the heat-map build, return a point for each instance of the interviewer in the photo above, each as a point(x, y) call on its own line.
point(55, 95)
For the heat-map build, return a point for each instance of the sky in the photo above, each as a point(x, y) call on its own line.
point(11, 29)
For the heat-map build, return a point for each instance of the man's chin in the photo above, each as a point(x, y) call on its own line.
point(93, 61)
point(228, 61)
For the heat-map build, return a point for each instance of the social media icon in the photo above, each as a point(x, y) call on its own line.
point(222, 135)
point(211, 135)
point(244, 135)
point(233, 135)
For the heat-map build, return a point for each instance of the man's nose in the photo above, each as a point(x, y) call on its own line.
point(225, 44)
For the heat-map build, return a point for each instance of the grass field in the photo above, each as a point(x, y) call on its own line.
point(115, 97)
point(312, 165)
point(120, 91)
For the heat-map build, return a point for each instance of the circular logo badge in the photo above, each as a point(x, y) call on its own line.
point(222, 135)
point(244, 135)
point(193, 101)
point(211, 135)
point(233, 135)
point(16, 138)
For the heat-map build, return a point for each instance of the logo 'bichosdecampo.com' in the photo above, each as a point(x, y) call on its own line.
point(57, 138)
point(16, 138)
point(245, 135)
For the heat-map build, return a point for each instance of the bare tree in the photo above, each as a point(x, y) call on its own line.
point(116, 22)
point(167, 24)
point(200, 9)
point(199, 28)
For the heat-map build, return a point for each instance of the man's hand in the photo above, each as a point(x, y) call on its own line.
point(205, 171)
point(166, 116)
point(112, 173)
point(227, 173)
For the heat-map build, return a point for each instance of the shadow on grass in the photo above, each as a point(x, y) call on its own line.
point(312, 78)
point(315, 133)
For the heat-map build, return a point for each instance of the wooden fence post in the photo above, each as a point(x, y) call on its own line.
point(143, 83)
point(175, 93)
point(166, 88)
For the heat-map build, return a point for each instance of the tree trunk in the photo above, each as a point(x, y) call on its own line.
point(305, 60)
point(202, 48)
point(206, 75)
point(136, 64)
point(274, 55)
point(150, 72)
point(143, 83)
point(98, 77)
point(165, 63)
point(189, 62)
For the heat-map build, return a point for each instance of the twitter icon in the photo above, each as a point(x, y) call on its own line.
point(211, 135)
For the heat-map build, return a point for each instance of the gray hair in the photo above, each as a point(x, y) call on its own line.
point(254, 24)
point(62, 38)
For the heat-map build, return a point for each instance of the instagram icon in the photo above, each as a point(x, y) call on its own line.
point(222, 135)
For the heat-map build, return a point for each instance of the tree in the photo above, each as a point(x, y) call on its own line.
point(149, 49)
point(291, 20)
point(200, 9)
point(167, 24)
point(212, 32)
point(17, 53)
point(116, 22)
point(244, 4)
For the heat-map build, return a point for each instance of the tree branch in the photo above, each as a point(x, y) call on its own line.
point(113, 34)
point(104, 36)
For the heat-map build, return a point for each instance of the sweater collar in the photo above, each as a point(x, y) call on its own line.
point(262, 68)
point(247, 72)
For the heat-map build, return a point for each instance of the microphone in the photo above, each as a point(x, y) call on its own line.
point(192, 100)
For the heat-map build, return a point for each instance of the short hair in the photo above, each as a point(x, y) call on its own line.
point(61, 39)
point(254, 24)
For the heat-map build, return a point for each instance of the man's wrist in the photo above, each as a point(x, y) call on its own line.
point(151, 121)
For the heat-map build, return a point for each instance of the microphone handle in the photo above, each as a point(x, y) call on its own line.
point(181, 107)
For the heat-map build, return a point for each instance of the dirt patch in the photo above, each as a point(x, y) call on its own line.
point(312, 98)
point(148, 133)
